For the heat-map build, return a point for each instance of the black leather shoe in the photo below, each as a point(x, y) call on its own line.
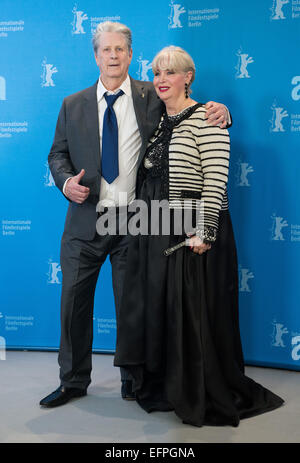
point(126, 390)
point(61, 396)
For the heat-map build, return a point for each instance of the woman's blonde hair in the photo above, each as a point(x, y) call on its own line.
point(174, 59)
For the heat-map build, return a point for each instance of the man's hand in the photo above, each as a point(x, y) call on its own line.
point(217, 114)
point(76, 192)
point(197, 245)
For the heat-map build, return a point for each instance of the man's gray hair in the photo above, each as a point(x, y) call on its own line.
point(109, 26)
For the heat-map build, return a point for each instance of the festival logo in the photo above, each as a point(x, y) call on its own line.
point(284, 338)
point(277, 115)
point(243, 170)
point(106, 325)
point(176, 11)
point(276, 10)
point(2, 88)
point(49, 180)
point(46, 76)
point(278, 224)
point(243, 60)
point(11, 227)
point(244, 276)
point(52, 274)
point(144, 67)
point(277, 336)
point(78, 18)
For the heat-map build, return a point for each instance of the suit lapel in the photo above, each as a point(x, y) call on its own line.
point(139, 96)
point(91, 117)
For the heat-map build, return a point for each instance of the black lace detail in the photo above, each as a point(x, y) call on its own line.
point(207, 233)
point(156, 160)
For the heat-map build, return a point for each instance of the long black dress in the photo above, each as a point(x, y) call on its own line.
point(178, 329)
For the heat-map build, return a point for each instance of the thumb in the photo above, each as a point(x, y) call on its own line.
point(79, 176)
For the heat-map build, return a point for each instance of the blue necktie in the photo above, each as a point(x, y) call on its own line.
point(110, 146)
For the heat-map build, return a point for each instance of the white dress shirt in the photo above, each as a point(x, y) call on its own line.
point(121, 191)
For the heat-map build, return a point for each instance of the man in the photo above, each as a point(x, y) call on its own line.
point(80, 161)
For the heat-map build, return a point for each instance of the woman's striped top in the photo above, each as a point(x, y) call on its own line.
point(198, 168)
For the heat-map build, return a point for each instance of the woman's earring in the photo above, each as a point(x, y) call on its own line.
point(186, 90)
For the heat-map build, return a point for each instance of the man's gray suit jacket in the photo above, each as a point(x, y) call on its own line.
point(76, 146)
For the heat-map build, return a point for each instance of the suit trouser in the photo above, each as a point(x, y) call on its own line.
point(81, 262)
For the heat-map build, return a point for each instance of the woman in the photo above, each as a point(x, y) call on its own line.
point(178, 328)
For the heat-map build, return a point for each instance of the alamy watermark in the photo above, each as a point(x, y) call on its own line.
point(160, 217)
point(2, 348)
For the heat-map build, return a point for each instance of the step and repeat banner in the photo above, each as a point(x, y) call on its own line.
point(246, 56)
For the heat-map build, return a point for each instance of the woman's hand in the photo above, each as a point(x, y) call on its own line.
point(197, 245)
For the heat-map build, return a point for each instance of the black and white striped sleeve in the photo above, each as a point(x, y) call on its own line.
point(214, 148)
